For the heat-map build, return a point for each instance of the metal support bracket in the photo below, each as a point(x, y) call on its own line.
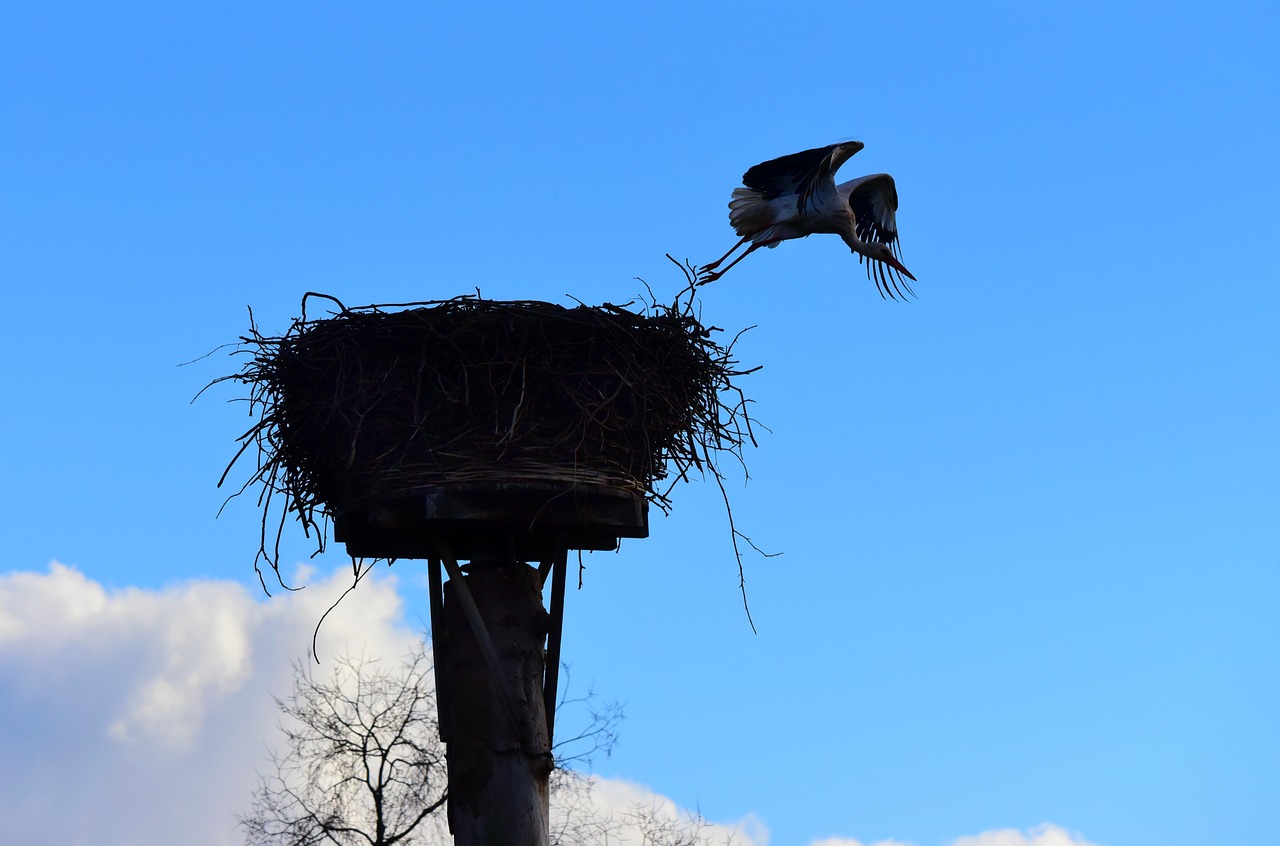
point(444, 704)
point(558, 567)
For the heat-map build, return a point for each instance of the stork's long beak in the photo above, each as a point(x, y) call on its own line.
point(897, 265)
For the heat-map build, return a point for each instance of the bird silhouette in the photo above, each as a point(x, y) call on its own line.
point(796, 196)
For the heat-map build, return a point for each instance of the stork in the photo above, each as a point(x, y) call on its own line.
point(796, 196)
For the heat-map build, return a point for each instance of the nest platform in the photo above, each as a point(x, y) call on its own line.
point(510, 428)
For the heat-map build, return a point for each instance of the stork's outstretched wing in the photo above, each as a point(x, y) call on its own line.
point(800, 173)
point(874, 201)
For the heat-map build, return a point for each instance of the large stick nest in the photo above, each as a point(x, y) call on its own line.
point(382, 400)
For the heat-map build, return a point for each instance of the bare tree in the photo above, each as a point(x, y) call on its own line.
point(363, 765)
point(578, 820)
point(658, 829)
point(362, 762)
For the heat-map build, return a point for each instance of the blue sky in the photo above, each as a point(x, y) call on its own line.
point(1030, 567)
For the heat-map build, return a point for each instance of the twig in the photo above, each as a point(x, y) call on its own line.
point(734, 534)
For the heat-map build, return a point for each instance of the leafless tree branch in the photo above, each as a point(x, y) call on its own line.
point(362, 765)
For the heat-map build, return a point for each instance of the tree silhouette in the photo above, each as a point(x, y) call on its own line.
point(362, 765)
point(362, 762)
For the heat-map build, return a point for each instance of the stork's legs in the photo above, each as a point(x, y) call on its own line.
point(716, 263)
point(711, 277)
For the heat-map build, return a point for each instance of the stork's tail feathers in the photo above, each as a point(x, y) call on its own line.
point(748, 211)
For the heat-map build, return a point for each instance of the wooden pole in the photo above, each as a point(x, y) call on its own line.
point(499, 755)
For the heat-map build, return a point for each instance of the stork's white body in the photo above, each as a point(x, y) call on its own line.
point(769, 222)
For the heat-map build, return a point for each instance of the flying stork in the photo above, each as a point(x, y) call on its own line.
point(796, 196)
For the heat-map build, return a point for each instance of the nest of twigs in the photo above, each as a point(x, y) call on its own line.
point(382, 400)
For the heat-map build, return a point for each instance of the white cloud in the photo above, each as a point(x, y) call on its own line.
point(141, 717)
point(1041, 835)
point(633, 814)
